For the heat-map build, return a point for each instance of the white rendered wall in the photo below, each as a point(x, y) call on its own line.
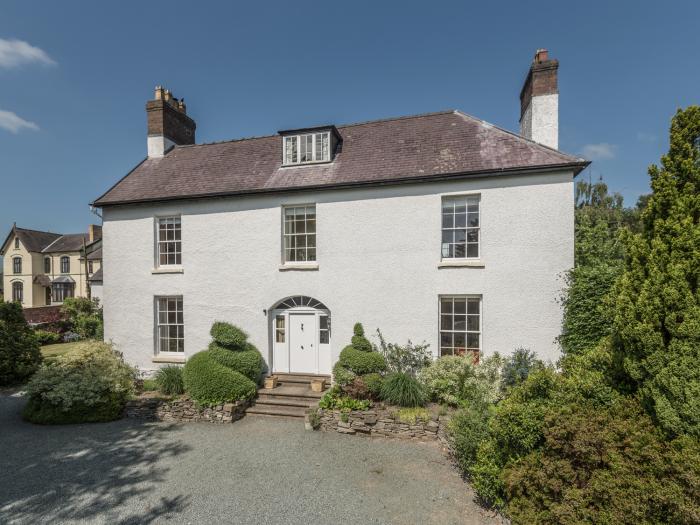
point(540, 122)
point(158, 145)
point(378, 255)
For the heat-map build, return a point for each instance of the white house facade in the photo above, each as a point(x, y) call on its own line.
point(438, 228)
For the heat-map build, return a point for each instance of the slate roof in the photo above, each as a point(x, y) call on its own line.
point(47, 242)
point(96, 277)
point(35, 241)
point(71, 242)
point(405, 149)
point(96, 255)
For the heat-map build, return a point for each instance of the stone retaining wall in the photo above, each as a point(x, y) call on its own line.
point(381, 421)
point(183, 410)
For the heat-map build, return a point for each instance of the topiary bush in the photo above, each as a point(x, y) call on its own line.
point(360, 362)
point(90, 383)
point(210, 383)
point(342, 376)
point(248, 362)
point(20, 356)
point(403, 390)
point(359, 341)
point(228, 336)
point(373, 382)
point(169, 380)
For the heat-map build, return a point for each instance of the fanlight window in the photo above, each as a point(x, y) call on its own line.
point(301, 300)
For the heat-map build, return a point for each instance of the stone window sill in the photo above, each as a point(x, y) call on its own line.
point(298, 267)
point(461, 263)
point(175, 359)
point(166, 269)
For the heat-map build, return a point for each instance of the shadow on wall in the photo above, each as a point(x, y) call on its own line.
point(83, 472)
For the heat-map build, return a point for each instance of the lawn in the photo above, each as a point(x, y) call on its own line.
point(49, 351)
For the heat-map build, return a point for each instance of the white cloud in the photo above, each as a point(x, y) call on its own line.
point(646, 137)
point(14, 123)
point(599, 151)
point(14, 53)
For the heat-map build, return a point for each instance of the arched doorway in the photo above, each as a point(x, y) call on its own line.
point(301, 336)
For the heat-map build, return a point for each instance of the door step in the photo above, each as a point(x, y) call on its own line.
point(277, 410)
point(303, 379)
point(291, 399)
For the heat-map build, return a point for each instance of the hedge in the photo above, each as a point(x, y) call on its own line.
point(210, 383)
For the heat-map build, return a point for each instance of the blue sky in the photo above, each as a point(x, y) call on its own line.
point(74, 78)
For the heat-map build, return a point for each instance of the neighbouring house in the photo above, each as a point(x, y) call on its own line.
point(41, 268)
point(437, 227)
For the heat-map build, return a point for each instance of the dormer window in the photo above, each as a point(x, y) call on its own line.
point(306, 148)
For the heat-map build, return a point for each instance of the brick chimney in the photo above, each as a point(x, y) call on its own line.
point(94, 232)
point(539, 101)
point(168, 123)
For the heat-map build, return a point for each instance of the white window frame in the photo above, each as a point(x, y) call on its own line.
point(306, 234)
point(62, 291)
point(157, 342)
point(17, 285)
point(17, 265)
point(466, 331)
point(315, 154)
point(473, 197)
point(161, 242)
point(61, 260)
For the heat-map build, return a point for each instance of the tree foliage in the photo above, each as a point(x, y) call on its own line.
point(656, 326)
point(20, 356)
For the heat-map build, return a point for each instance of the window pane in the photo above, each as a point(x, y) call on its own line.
point(445, 339)
point(473, 323)
point(460, 220)
point(474, 306)
point(460, 340)
point(472, 250)
point(446, 306)
point(460, 306)
point(473, 341)
point(460, 322)
point(473, 219)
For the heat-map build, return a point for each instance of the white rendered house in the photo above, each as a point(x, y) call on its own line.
point(438, 227)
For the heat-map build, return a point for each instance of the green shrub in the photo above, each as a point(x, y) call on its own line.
point(456, 379)
point(333, 400)
point(486, 474)
point(248, 362)
point(359, 341)
point(84, 316)
point(518, 366)
point(150, 385)
point(605, 466)
point(467, 429)
point(314, 419)
point(342, 376)
point(169, 380)
point(409, 358)
point(228, 336)
point(47, 338)
point(210, 383)
point(20, 356)
point(412, 415)
point(403, 390)
point(90, 383)
point(373, 382)
point(360, 362)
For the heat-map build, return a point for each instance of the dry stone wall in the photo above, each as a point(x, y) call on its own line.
point(183, 410)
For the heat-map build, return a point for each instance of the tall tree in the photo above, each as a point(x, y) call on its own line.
point(656, 326)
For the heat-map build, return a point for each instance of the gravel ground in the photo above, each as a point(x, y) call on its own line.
point(254, 471)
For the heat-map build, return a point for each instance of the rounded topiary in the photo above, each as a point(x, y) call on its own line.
point(342, 376)
point(248, 362)
point(228, 336)
point(210, 383)
point(359, 341)
point(361, 362)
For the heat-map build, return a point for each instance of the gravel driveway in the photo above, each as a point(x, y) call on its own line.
point(254, 471)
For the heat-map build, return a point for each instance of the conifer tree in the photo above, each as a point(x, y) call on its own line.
point(656, 327)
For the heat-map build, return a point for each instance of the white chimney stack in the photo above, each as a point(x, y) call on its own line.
point(539, 101)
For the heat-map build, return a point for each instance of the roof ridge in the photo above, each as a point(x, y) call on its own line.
point(36, 231)
point(338, 126)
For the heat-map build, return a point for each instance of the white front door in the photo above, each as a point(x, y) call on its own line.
point(303, 348)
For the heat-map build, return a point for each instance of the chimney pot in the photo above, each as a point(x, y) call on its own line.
point(541, 56)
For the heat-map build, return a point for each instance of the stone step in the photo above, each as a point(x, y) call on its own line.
point(277, 410)
point(300, 378)
point(290, 391)
point(304, 402)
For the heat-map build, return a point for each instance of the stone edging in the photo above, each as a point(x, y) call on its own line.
point(379, 421)
point(183, 410)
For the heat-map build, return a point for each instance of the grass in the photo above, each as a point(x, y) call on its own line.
point(150, 385)
point(51, 351)
point(412, 415)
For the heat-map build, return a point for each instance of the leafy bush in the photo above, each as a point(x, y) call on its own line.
point(47, 338)
point(359, 341)
point(373, 383)
point(169, 380)
point(314, 419)
point(409, 358)
point(90, 383)
point(467, 429)
point(150, 385)
point(85, 317)
point(333, 400)
point(456, 379)
point(403, 390)
point(624, 472)
point(486, 474)
point(20, 356)
point(360, 362)
point(248, 362)
point(211, 383)
point(518, 366)
point(228, 336)
point(412, 415)
point(342, 376)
